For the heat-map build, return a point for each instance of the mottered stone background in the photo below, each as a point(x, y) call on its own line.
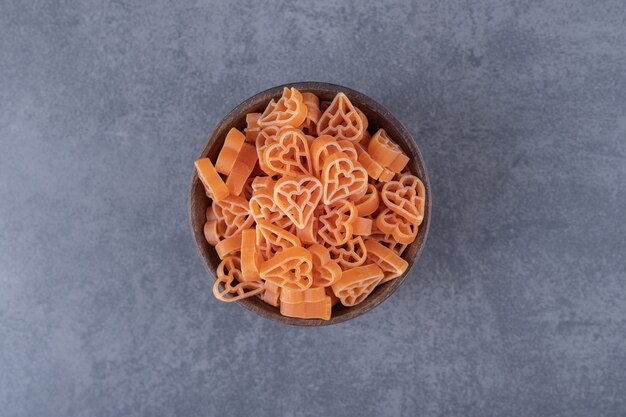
point(517, 307)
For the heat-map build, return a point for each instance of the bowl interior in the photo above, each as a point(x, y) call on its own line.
point(378, 117)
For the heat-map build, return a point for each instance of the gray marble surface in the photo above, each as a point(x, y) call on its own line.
point(517, 307)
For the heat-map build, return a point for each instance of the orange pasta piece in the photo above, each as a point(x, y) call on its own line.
point(260, 183)
point(342, 179)
point(229, 285)
point(373, 168)
point(298, 198)
point(341, 120)
point(308, 234)
point(228, 155)
point(326, 145)
point(265, 137)
point(210, 214)
point(210, 232)
point(401, 229)
point(309, 126)
point(386, 175)
point(290, 110)
point(406, 197)
point(272, 239)
point(313, 310)
point(213, 184)
point(398, 164)
point(302, 296)
point(243, 168)
point(390, 262)
point(310, 99)
point(271, 293)
point(363, 119)
point(228, 246)
point(333, 298)
point(365, 140)
point(335, 223)
point(350, 255)
point(250, 258)
point(357, 283)
point(252, 127)
point(247, 191)
point(233, 215)
point(306, 304)
point(263, 207)
point(325, 270)
point(383, 149)
point(289, 269)
point(387, 240)
point(362, 226)
point(288, 154)
point(369, 203)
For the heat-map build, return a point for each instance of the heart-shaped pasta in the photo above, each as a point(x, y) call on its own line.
point(324, 146)
point(325, 271)
point(229, 285)
point(290, 269)
point(288, 154)
point(357, 283)
point(406, 197)
point(335, 223)
point(341, 120)
point(298, 198)
point(289, 110)
point(342, 179)
point(233, 215)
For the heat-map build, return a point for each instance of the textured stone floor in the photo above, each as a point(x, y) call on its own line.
point(517, 307)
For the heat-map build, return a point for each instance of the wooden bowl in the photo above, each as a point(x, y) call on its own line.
point(378, 117)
